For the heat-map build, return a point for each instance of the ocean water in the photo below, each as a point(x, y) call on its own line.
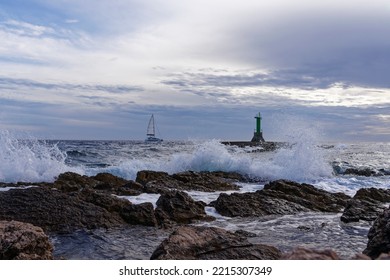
point(304, 160)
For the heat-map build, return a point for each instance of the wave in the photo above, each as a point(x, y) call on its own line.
point(298, 162)
point(30, 160)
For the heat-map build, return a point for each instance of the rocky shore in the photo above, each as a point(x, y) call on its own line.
point(29, 213)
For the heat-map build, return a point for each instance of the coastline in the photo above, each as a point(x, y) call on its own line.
point(113, 215)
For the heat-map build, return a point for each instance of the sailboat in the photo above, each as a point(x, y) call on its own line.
point(151, 132)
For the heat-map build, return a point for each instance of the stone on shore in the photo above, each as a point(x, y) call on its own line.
point(379, 236)
point(180, 207)
point(366, 205)
point(103, 182)
point(53, 210)
point(280, 197)
point(23, 241)
point(210, 243)
point(161, 182)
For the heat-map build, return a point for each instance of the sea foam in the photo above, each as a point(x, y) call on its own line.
point(30, 160)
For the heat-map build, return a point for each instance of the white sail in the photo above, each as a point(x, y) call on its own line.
point(151, 132)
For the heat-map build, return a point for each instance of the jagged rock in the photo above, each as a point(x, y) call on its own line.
point(103, 182)
point(280, 197)
point(379, 236)
point(360, 172)
point(310, 254)
point(161, 182)
point(23, 241)
point(180, 207)
point(109, 179)
point(373, 194)
point(71, 182)
point(206, 243)
point(53, 210)
point(365, 205)
point(136, 214)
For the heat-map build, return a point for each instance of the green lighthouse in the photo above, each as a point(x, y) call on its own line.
point(258, 134)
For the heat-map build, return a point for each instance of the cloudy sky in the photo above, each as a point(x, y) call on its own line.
point(97, 69)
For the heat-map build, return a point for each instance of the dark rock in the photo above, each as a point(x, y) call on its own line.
point(71, 182)
point(180, 207)
point(23, 241)
point(357, 210)
point(136, 214)
point(109, 179)
point(373, 194)
point(379, 236)
point(209, 243)
point(131, 188)
point(103, 182)
point(280, 197)
point(360, 172)
point(365, 205)
point(161, 182)
point(146, 176)
point(53, 210)
point(245, 233)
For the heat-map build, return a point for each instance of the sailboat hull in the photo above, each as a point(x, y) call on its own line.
point(153, 140)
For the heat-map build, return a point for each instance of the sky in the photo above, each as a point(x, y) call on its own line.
point(98, 69)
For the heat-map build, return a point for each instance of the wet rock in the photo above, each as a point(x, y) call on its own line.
point(207, 243)
point(23, 241)
point(109, 179)
point(280, 197)
point(136, 214)
point(310, 254)
point(360, 172)
point(131, 188)
point(373, 194)
point(53, 210)
point(365, 205)
point(103, 182)
point(180, 207)
point(379, 236)
point(71, 182)
point(160, 182)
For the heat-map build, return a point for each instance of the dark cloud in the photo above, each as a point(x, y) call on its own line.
point(347, 46)
point(9, 83)
point(279, 78)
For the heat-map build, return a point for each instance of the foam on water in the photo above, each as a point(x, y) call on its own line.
point(302, 161)
point(30, 160)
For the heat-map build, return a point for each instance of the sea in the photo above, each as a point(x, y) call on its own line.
point(303, 160)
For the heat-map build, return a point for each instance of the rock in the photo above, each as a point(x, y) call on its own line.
point(365, 205)
point(357, 210)
point(373, 194)
point(71, 182)
point(379, 236)
point(109, 179)
point(180, 207)
point(209, 243)
point(131, 188)
point(136, 214)
point(103, 182)
point(360, 172)
point(161, 182)
point(53, 210)
point(23, 241)
point(310, 254)
point(280, 197)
